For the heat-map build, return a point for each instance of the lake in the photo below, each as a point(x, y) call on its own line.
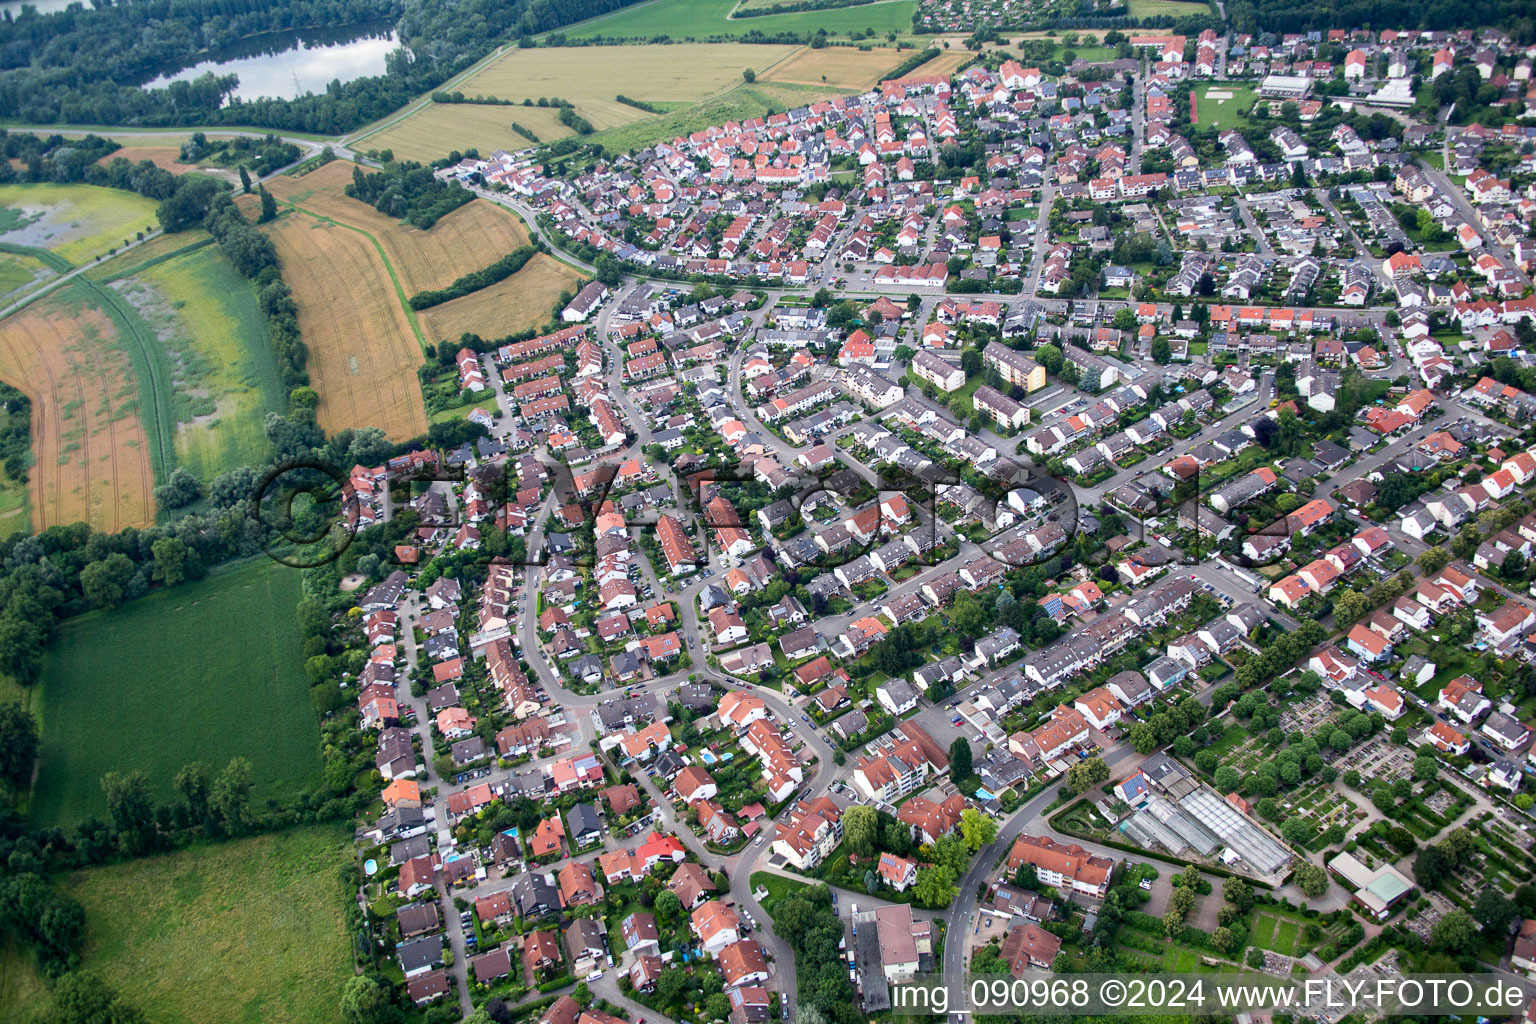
point(292, 64)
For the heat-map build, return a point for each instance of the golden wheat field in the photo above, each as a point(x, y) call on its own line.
point(93, 459)
point(522, 301)
point(471, 237)
point(363, 354)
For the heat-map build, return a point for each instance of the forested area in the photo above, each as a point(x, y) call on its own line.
point(1281, 16)
point(410, 192)
point(85, 65)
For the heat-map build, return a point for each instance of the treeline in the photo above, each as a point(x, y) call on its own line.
point(84, 66)
point(16, 437)
point(459, 97)
point(575, 122)
point(263, 155)
point(798, 5)
point(914, 62)
point(409, 192)
point(1282, 16)
point(502, 269)
point(649, 108)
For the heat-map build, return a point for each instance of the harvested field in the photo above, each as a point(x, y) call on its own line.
point(836, 67)
point(93, 455)
point(469, 238)
point(592, 76)
point(161, 156)
point(589, 77)
point(521, 301)
point(76, 222)
point(433, 131)
point(362, 352)
point(946, 63)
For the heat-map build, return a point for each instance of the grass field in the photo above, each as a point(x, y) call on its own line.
point(1219, 111)
point(216, 362)
point(77, 222)
point(93, 458)
point(159, 248)
point(23, 991)
point(363, 352)
point(20, 271)
point(704, 19)
point(466, 240)
point(203, 671)
point(1166, 8)
point(521, 301)
point(245, 931)
point(836, 67)
point(589, 77)
point(1276, 933)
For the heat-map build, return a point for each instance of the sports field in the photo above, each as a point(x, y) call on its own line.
point(836, 67)
point(77, 222)
point(469, 238)
point(591, 78)
point(521, 301)
point(93, 457)
point(703, 19)
point(217, 370)
point(244, 931)
point(1221, 104)
point(202, 672)
point(363, 353)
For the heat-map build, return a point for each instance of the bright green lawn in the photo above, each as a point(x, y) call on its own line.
point(1222, 113)
point(701, 19)
point(203, 671)
point(247, 931)
point(777, 885)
